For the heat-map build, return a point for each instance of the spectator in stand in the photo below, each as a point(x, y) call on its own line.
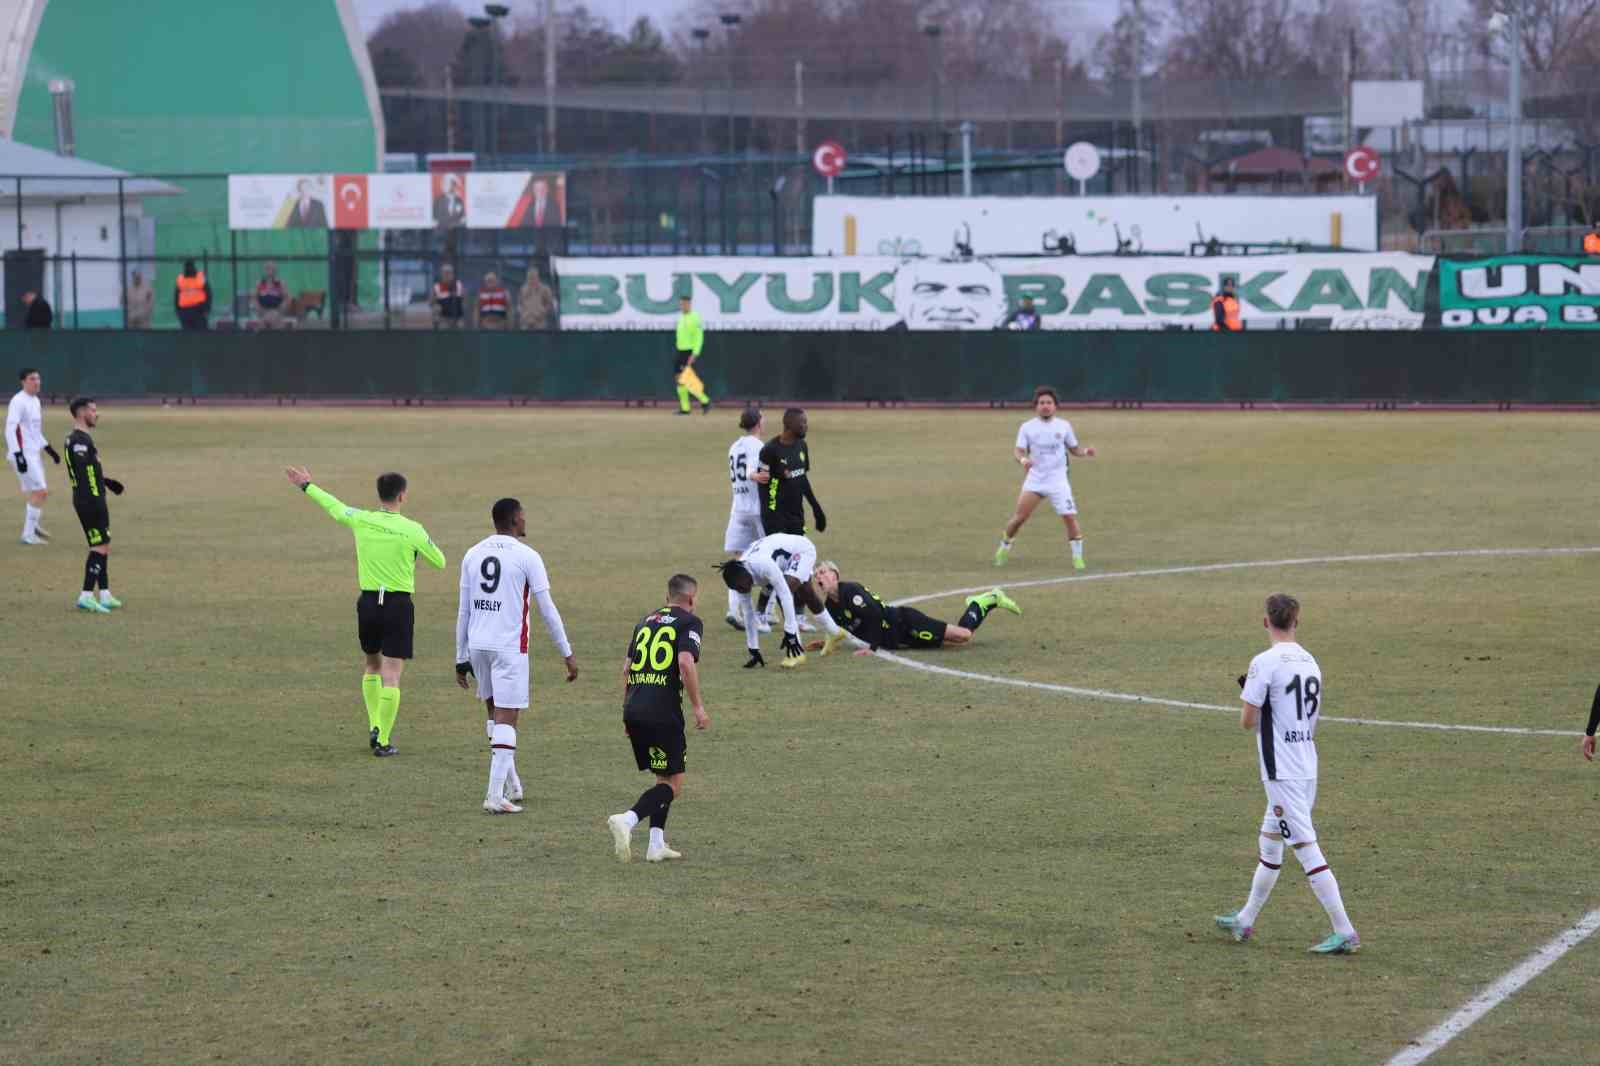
point(38, 315)
point(1591, 240)
point(536, 304)
point(192, 297)
point(270, 296)
point(449, 300)
point(139, 302)
point(1024, 318)
point(494, 303)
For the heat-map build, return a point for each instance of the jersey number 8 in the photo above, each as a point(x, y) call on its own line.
point(657, 652)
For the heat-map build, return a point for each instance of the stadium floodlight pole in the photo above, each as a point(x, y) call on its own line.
point(967, 130)
point(495, 12)
point(1511, 21)
point(701, 34)
point(935, 34)
point(730, 20)
point(550, 75)
point(485, 108)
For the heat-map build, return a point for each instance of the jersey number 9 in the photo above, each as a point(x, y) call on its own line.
point(491, 574)
point(657, 652)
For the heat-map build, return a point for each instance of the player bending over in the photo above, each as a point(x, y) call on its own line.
point(89, 487)
point(780, 563)
point(1043, 443)
point(499, 577)
point(1288, 757)
point(867, 618)
point(662, 663)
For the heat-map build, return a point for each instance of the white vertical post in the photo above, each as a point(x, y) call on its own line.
point(966, 158)
point(550, 75)
point(1514, 148)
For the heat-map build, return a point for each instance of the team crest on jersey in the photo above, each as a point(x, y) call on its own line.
point(858, 601)
point(1277, 812)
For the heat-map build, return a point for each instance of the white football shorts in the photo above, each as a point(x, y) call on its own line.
point(800, 564)
point(1289, 806)
point(1057, 490)
point(502, 677)
point(33, 480)
point(743, 531)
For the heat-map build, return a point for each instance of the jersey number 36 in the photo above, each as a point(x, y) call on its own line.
point(657, 652)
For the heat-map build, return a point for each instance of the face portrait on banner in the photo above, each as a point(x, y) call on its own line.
point(449, 201)
point(949, 294)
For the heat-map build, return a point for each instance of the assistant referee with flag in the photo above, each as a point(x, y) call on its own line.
point(387, 547)
point(691, 337)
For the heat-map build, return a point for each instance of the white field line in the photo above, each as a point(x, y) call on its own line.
point(1159, 701)
point(1497, 993)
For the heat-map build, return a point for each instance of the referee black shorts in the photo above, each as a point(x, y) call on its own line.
point(385, 628)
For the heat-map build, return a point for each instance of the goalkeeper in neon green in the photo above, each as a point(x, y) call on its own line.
point(691, 337)
point(387, 547)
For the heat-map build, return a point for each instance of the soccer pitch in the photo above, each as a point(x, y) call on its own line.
point(881, 865)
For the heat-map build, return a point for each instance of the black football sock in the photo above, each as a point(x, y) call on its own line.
point(105, 572)
point(92, 567)
point(658, 819)
point(650, 800)
point(974, 615)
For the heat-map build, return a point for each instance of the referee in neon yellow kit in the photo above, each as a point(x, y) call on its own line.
point(691, 337)
point(387, 546)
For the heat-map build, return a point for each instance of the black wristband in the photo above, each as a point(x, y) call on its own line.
point(306, 487)
point(463, 669)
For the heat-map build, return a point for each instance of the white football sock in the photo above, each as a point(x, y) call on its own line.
point(629, 819)
point(1326, 886)
point(658, 837)
point(30, 519)
point(1077, 548)
point(105, 595)
point(513, 782)
point(1005, 541)
point(735, 607)
point(503, 751)
point(488, 729)
point(1266, 876)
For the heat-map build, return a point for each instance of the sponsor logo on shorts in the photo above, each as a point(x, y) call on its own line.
point(658, 759)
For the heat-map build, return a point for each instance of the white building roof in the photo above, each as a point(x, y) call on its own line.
point(47, 176)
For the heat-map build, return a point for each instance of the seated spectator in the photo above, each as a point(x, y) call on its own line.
point(494, 303)
point(39, 315)
point(449, 300)
point(1024, 317)
point(139, 302)
point(270, 297)
point(536, 305)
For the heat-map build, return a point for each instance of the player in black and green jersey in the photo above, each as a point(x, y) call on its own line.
point(387, 547)
point(89, 488)
point(785, 473)
point(860, 612)
point(662, 663)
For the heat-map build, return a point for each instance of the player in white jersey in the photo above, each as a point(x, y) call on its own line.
point(782, 562)
point(24, 444)
point(1043, 444)
point(500, 576)
point(744, 516)
point(1282, 694)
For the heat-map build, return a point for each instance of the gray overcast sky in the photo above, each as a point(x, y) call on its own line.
point(1090, 15)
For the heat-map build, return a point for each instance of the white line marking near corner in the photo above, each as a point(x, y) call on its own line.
point(1497, 993)
point(1159, 701)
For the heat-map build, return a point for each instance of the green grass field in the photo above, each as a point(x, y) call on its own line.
point(202, 862)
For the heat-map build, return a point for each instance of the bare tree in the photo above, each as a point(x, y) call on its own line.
point(1247, 40)
point(1555, 33)
point(1406, 35)
point(429, 36)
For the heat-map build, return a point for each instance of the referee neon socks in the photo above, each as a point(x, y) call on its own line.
point(371, 686)
point(388, 711)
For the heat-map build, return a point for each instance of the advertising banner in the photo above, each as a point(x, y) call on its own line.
point(1029, 225)
point(1520, 292)
point(447, 199)
point(1373, 291)
point(278, 201)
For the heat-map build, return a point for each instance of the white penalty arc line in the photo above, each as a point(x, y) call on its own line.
point(1497, 993)
point(1159, 701)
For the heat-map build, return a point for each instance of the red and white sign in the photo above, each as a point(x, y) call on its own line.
point(829, 159)
point(1361, 164)
point(350, 201)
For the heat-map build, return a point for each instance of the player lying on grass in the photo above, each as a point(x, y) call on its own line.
point(867, 618)
point(782, 563)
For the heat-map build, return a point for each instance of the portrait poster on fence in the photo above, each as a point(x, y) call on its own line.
point(279, 201)
point(1333, 291)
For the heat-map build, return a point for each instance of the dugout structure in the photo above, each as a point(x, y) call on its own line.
point(163, 87)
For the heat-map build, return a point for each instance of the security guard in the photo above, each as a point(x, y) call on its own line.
point(192, 297)
point(1591, 240)
point(691, 337)
point(1225, 309)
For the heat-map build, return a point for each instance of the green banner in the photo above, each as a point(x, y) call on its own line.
point(1520, 292)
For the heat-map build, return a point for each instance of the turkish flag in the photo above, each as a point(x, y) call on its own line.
point(350, 201)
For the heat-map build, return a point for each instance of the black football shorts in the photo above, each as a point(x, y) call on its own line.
point(95, 518)
point(913, 629)
point(385, 628)
point(658, 748)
